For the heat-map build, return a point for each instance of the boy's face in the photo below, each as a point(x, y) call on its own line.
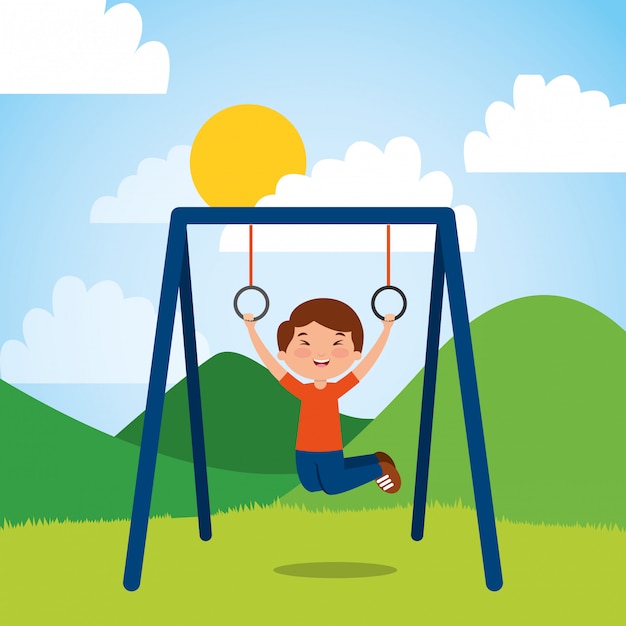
point(319, 353)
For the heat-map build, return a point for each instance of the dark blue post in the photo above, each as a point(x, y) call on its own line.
point(195, 404)
point(428, 393)
point(471, 405)
point(176, 246)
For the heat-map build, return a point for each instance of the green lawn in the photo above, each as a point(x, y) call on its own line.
point(282, 565)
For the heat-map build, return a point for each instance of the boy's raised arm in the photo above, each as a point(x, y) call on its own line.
point(264, 354)
point(371, 357)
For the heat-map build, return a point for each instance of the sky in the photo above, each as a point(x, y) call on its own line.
point(512, 113)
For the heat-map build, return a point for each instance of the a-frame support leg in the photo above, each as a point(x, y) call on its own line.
point(195, 404)
point(471, 407)
point(176, 250)
point(428, 394)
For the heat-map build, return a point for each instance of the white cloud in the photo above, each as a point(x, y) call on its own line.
point(74, 46)
point(150, 195)
point(91, 336)
point(366, 177)
point(550, 128)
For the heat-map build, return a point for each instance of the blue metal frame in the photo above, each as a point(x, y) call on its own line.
point(177, 281)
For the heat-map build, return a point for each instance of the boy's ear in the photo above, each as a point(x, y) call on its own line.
point(357, 355)
point(281, 355)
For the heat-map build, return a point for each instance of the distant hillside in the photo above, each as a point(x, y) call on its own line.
point(52, 466)
point(551, 375)
point(250, 421)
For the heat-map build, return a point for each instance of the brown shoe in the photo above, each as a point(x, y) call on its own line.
point(390, 481)
point(383, 457)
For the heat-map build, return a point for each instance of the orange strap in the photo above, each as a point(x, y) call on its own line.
point(388, 254)
point(250, 253)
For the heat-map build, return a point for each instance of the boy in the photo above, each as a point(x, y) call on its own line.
point(321, 340)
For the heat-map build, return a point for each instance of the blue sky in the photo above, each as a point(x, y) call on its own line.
point(341, 72)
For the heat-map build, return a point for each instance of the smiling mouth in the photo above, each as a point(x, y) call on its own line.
point(319, 363)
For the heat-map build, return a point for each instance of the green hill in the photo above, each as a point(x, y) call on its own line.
point(54, 467)
point(551, 375)
point(250, 421)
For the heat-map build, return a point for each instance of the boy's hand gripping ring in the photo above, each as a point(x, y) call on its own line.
point(254, 288)
point(392, 288)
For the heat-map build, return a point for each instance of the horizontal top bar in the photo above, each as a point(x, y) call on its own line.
point(312, 215)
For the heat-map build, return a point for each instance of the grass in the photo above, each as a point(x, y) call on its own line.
point(285, 565)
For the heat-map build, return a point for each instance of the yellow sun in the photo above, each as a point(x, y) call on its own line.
point(241, 152)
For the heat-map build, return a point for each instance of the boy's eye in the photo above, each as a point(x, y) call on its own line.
point(304, 343)
point(338, 343)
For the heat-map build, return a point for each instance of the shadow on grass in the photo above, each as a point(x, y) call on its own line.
point(335, 570)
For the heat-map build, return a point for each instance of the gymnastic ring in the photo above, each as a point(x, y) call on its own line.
point(254, 288)
point(392, 288)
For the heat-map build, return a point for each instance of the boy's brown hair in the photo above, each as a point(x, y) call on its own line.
point(330, 313)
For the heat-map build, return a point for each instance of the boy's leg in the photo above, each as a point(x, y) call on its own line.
point(359, 461)
point(335, 477)
point(390, 480)
point(307, 470)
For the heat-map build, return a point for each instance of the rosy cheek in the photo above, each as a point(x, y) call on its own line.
point(339, 353)
point(302, 353)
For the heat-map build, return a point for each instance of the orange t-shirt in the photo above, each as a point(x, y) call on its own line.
point(319, 428)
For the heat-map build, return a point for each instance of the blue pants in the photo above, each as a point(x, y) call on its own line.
point(332, 473)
